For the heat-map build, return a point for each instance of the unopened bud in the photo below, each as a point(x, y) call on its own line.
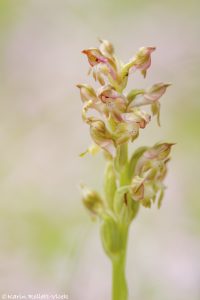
point(106, 48)
point(92, 200)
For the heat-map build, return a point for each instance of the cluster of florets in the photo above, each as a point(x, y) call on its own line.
point(120, 114)
point(118, 119)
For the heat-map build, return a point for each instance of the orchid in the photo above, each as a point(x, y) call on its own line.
point(115, 118)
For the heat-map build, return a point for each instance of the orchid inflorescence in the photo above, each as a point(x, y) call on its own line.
point(117, 119)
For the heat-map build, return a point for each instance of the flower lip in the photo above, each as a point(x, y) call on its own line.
point(107, 92)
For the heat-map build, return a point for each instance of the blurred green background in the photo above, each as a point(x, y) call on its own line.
point(48, 244)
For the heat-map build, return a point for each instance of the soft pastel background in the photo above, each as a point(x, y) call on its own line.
point(48, 244)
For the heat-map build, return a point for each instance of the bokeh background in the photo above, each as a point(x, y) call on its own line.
point(48, 244)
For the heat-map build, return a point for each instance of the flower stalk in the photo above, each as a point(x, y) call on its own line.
point(129, 181)
point(119, 283)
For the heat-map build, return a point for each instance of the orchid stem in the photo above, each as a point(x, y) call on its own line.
point(119, 284)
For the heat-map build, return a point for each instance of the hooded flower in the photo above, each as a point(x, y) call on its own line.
point(151, 96)
point(150, 171)
point(153, 157)
point(90, 100)
point(138, 116)
point(95, 56)
point(105, 65)
point(114, 103)
point(160, 151)
point(141, 61)
point(128, 129)
point(102, 137)
point(142, 190)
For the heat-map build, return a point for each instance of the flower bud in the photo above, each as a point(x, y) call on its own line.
point(106, 48)
point(91, 200)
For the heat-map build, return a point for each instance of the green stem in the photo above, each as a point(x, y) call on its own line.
point(119, 285)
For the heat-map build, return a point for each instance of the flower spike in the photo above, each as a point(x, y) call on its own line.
point(115, 118)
